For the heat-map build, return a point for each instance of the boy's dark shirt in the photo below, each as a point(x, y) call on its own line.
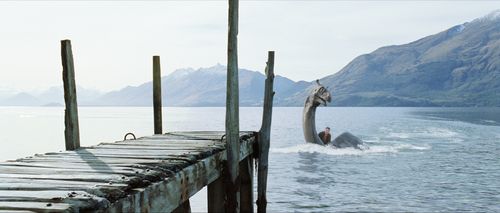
point(328, 137)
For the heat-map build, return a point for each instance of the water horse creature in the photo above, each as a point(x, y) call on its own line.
point(320, 96)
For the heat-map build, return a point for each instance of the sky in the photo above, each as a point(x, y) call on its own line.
point(114, 41)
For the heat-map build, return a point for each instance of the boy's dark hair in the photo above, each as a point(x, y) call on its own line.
point(327, 128)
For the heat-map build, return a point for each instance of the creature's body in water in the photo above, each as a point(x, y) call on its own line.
point(319, 96)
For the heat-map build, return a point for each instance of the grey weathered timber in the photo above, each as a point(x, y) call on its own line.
point(232, 112)
point(125, 176)
point(71, 131)
point(264, 137)
point(157, 95)
point(183, 208)
point(216, 193)
point(246, 190)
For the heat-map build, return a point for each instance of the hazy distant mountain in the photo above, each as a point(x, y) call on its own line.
point(6, 92)
point(202, 87)
point(184, 87)
point(457, 67)
point(50, 97)
point(21, 99)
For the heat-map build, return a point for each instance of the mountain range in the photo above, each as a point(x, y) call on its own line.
point(202, 87)
point(456, 67)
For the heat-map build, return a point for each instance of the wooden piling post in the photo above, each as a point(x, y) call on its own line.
point(71, 131)
point(185, 207)
point(216, 192)
point(246, 192)
point(232, 112)
point(157, 96)
point(265, 135)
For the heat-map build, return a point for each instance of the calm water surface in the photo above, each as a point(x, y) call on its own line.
point(418, 160)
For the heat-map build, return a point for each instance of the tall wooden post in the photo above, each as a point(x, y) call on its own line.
point(232, 112)
point(265, 135)
point(71, 131)
point(157, 95)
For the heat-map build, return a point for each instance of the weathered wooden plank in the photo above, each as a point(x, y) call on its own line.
point(173, 139)
point(183, 136)
point(159, 149)
point(145, 154)
point(202, 135)
point(107, 161)
point(23, 184)
point(78, 198)
point(97, 157)
point(149, 172)
point(36, 206)
point(103, 178)
point(157, 113)
point(109, 193)
point(51, 173)
point(68, 170)
point(174, 146)
point(98, 190)
point(265, 135)
point(71, 131)
point(127, 177)
point(97, 167)
point(170, 162)
point(97, 150)
point(168, 143)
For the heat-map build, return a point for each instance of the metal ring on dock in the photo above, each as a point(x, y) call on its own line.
point(125, 137)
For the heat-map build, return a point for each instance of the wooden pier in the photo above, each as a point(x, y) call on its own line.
point(158, 173)
point(151, 174)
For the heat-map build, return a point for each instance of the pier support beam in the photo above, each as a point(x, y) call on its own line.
point(71, 131)
point(183, 208)
point(265, 135)
point(157, 96)
point(216, 192)
point(232, 113)
point(246, 192)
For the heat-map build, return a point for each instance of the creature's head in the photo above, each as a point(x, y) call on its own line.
point(320, 95)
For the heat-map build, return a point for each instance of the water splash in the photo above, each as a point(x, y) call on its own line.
point(431, 132)
point(330, 150)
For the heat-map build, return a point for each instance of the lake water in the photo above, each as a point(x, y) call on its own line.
point(418, 160)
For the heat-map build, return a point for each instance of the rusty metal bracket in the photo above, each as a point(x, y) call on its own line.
point(125, 137)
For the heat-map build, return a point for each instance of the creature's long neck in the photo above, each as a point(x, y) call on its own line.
point(309, 123)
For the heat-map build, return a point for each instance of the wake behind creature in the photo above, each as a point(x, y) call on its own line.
point(320, 96)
